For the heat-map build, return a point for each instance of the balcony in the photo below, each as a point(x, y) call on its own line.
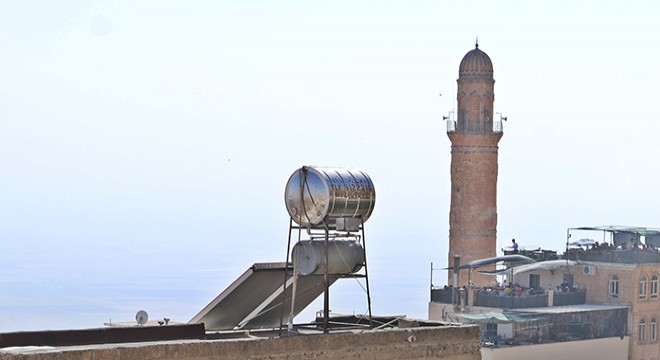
point(571, 298)
point(475, 128)
point(497, 298)
point(510, 302)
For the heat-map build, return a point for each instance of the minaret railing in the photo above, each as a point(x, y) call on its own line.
point(498, 126)
point(453, 126)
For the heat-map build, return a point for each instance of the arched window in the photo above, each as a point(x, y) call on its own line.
point(642, 330)
point(654, 286)
point(643, 281)
point(614, 286)
point(654, 330)
point(473, 112)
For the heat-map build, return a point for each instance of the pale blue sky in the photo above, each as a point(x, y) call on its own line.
point(145, 146)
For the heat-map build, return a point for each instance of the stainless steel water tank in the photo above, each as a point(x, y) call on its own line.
point(317, 194)
point(344, 257)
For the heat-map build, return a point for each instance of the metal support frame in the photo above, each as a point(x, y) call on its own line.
point(327, 234)
point(326, 276)
point(326, 284)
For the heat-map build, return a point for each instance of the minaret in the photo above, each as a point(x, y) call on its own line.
point(474, 137)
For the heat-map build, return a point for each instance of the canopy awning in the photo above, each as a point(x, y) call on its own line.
point(538, 266)
point(498, 317)
point(622, 235)
point(495, 260)
point(622, 229)
point(492, 317)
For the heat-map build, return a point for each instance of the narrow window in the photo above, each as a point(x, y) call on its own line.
point(654, 286)
point(654, 330)
point(642, 331)
point(642, 286)
point(614, 286)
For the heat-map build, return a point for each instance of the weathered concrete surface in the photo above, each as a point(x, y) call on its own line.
point(447, 342)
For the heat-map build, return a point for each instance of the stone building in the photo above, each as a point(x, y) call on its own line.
point(626, 272)
point(474, 137)
point(601, 295)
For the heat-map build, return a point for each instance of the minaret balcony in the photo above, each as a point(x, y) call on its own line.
point(496, 126)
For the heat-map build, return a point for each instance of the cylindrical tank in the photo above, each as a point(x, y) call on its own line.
point(344, 257)
point(317, 194)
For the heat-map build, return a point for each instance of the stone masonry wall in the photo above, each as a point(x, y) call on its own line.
point(450, 342)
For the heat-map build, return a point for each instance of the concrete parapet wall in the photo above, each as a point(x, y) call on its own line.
point(446, 342)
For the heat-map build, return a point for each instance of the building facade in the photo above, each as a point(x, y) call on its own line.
point(633, 285)
point(608, 290)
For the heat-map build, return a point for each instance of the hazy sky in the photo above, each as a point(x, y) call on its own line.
point(145, 146)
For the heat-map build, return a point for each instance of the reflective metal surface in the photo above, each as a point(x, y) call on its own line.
point(344, 257)
point(317, 195)
point(258, 299)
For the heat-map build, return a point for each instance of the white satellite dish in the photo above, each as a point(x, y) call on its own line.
point(141, 317)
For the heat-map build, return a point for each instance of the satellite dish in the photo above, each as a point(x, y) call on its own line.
point(141, 317)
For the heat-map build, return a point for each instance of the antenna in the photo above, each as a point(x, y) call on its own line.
point(141, 317)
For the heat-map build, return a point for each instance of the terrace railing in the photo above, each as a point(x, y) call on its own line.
point(493, 300)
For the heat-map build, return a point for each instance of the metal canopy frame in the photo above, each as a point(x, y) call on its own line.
point(651, 234)
point(623, 229)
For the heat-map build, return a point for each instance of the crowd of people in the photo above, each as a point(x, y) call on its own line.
point(604, 246)
point(510, 290)
point(518, 290)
